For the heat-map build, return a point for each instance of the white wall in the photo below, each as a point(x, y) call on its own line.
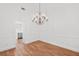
point(63, 25)
point(61, 29)
point(7, 26)
point(9, 14)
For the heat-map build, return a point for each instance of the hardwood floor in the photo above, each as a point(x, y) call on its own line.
point(9, 52)
point(39, 48)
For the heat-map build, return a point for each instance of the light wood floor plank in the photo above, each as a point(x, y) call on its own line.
point(40, 48)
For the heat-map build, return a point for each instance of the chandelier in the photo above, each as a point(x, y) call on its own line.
point(39, 18)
